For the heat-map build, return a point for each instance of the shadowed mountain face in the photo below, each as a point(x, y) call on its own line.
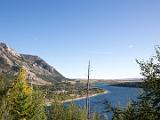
point(38, 70)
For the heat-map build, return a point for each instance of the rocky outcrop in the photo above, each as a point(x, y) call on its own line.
point(39, 71)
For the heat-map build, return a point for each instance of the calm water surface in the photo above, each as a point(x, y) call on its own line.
point(116, 95)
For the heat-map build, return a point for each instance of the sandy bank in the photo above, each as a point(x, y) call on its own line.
point(48, 103)
point(84, 97)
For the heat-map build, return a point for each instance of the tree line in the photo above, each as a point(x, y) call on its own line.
point(20, 101)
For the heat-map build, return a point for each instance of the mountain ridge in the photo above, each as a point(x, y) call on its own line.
point(39, 71)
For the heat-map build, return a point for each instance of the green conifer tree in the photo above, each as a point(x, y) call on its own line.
point(148, 106)
point(22, 102)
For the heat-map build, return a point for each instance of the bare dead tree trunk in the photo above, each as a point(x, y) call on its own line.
point(87, 97)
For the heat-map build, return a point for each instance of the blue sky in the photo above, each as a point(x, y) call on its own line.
point(66, 33)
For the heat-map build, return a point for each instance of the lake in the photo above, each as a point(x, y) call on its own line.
point(116, 95)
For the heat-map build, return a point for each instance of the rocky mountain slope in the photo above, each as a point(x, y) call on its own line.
point(39, 71)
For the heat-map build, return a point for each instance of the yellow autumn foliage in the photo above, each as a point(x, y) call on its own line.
point(21, 83)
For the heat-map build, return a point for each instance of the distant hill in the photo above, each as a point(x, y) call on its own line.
point(125, 82)
point(39, 71)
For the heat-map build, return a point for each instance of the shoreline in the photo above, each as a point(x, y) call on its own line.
point(84, 97)
point(80, 98)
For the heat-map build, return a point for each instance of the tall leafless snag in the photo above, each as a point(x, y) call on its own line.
point(87, 96)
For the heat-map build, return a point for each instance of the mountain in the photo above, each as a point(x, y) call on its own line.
point(39, 71)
